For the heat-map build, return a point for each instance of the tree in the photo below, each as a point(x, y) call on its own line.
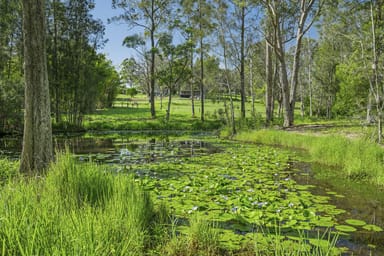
point(175, 60)
point(135, 73)
point(149, 15)
point(269, 102)
point(11, 61)
point(376, 8)
point(73, 37)
point(289, 16)
point(239, 19)
point(201, 25)
point(37, 140)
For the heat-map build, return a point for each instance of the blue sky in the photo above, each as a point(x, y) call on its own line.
point(115, 33)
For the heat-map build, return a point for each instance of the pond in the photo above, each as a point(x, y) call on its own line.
point(242, 187)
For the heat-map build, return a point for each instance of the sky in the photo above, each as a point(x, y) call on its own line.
point(114, 32)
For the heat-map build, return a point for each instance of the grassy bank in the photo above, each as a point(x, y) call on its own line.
point(77, 210)
point(357, 158)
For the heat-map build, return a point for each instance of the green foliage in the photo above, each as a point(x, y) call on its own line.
point(81, 79)
point(11, 101)
point(132, 92)
point(353, 93)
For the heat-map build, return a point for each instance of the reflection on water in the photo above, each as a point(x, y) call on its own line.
point(360, 201)
point(120, 150)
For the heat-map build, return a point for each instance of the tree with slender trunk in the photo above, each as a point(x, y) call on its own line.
point(302, 13)
point(148, 15)
point(37, 141)
point(200, 26)
point(377, 87)
point(269, 79)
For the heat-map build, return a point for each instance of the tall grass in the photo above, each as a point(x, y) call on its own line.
point(77, 210)
point(357, 158)
point(201, 237)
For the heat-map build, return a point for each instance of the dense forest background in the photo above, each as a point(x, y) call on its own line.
point(322, 58)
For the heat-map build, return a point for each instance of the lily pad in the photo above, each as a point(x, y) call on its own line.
point(345, 228)
point(324, 222)
point(355, 222)
point(372, 227)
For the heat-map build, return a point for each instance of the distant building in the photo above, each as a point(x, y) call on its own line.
point(187, 94)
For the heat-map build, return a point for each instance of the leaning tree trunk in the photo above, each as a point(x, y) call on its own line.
point(37, 141)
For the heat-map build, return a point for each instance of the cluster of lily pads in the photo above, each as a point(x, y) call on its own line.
point(243, 188)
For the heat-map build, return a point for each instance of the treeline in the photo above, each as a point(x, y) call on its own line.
point(321, 57)
point(80, 79)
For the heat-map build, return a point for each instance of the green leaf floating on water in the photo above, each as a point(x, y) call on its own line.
point(373, 228)
point(354, 222)
point(324, 222)
point(345, 228)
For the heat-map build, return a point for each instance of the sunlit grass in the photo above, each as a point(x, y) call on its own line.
point(138, 117)
point(77, 210)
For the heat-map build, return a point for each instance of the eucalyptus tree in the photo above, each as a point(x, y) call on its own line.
point(269, 102)
point(376, 8)
point(135, 74)
point(306, 76)
point(175, 66)
point(223, 39)
point(240, 17)
point(183, 23)
point(201, 26)
point(37, 140)
point(149, 15)
point(290, 20)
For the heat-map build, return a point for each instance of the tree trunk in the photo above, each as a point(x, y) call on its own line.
point(37, 141)
point(242, 62)
point(310, 88)
point(251, 87)
point(269, 90)
point(201, 63)
point(55, 63)
point(368, 119)
point(192, 86)
point(153, 57)
point(169, 103)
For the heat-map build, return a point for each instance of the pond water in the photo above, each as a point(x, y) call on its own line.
point(169, 164)
point(360, 201)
